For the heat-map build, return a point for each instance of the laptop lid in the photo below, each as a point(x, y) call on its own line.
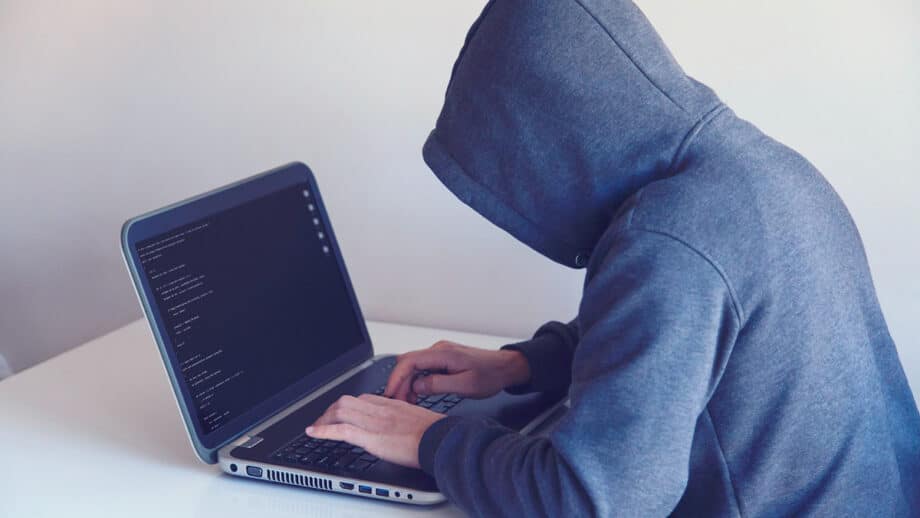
point(248, 298)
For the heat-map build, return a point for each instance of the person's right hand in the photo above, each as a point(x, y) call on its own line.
point(467, 371)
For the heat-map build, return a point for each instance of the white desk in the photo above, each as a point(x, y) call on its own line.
point(96, 432)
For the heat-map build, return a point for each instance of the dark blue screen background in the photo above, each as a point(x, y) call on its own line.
point(250, 300)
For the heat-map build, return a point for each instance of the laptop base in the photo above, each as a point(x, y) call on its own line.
point(251, 455)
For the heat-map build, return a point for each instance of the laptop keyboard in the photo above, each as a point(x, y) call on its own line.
point(308, 452)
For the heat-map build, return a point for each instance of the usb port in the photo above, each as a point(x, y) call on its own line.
point(365, 489)
point(383, 492)
point(346, 485)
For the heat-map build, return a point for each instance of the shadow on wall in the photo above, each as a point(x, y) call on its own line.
point(5, 370)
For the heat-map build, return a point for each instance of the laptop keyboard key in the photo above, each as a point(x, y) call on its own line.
point(434, 398)
point(440, 408)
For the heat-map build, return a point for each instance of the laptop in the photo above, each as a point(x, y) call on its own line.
point(259, 329)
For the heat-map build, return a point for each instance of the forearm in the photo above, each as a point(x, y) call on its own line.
point(656, 328)
point(489, 470)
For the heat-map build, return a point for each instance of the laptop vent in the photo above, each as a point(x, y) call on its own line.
point(296, 479)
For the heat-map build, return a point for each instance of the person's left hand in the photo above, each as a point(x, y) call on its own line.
point(387, 428)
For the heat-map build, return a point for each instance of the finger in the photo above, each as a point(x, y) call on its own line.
point(436, 357)
point(407, 367)
point(369, 404)
point(404, 369)
point(348, 403)
point(378, 402)
point(404, 392)
point(349, 416)
point(341, 432)
point(461, 383)
point(410, 395)
point(401, 389)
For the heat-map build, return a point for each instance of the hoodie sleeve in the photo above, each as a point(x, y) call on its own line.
point(549, 356)
point(658, 322)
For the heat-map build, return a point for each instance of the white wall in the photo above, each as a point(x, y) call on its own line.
point(110, 108)
point(840, 82)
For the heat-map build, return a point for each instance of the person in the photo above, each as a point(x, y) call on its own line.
point(728, 357)
point(5, 370)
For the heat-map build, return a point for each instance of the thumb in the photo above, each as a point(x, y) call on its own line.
point(460, 383)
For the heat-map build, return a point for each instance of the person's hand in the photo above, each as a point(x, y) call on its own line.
point(464, 370)
point(389, 429)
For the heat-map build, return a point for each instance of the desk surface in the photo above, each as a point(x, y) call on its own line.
point(96, 432)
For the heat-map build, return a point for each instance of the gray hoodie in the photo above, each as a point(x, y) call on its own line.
point(4, 368)
point(729, 356)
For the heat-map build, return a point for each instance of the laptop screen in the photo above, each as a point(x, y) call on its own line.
point(250, 301)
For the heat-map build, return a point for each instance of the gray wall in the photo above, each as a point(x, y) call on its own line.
point(110, 108)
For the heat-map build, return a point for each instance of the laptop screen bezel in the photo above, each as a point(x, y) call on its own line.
point(209, 204)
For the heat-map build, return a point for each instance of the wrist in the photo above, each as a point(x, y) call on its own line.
point(516, 368)
point(431, 441)
point(420, 437)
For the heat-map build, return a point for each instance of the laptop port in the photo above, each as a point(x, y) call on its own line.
point(383, 492)
point(365, 489)
point(254, 471)
point(346, 485)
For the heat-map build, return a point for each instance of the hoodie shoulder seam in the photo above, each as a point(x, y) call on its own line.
point(736, 307)
point(629, 56)
point(691, 135)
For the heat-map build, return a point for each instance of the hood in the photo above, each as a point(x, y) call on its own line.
point(555, 113)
